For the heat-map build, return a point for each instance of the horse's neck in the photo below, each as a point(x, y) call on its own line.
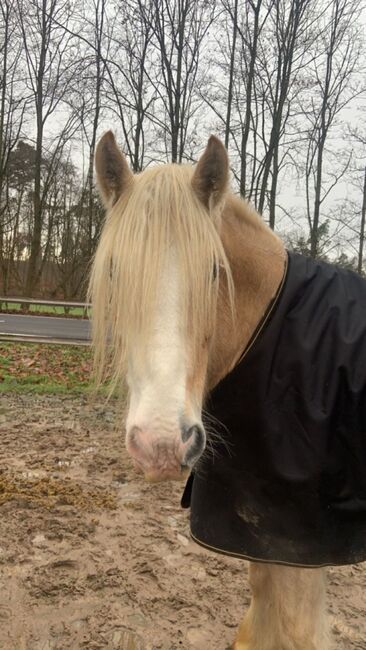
point(257, 258)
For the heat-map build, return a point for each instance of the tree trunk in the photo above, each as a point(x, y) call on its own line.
point(248, 104)
point(35, 246)
point(231, 76)
point(362, 229)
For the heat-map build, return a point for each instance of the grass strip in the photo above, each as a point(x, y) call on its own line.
point(42, 310)
point(45, 368)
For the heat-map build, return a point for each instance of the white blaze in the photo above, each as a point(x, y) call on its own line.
point(157, 381)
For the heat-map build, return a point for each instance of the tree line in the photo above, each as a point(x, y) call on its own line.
point(281, 81)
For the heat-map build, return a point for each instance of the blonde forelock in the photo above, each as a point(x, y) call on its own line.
point(158, 213)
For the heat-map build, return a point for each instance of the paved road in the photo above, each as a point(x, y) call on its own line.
point(44, 328)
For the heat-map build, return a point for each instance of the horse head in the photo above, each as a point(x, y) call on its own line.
point(159, 271)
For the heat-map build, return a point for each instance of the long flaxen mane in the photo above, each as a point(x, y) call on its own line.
point(158, 214)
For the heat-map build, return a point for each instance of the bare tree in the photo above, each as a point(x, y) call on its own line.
point(361, 238)
point(89, 93)
point(12, 108)
point(356, 206)
point(180, 27)
point(292, 30)
point(268, 50)
point(335, 85)
point(131, 96)
point(237, 59)
point(49, 60)
point(232, 10)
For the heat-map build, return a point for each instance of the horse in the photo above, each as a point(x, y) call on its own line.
point(186, 282)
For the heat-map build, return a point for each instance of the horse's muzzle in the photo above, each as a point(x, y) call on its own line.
point(163, 457)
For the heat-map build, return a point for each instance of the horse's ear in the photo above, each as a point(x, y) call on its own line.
point(210, 178)
point(112, 170)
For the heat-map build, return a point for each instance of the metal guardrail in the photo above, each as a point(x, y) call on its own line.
point(39, 301)
point(30, 338)
point(43, 338)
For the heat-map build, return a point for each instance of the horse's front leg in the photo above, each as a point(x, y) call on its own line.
point(287, 611)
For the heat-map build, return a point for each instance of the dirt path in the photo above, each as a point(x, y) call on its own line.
point(92, 557)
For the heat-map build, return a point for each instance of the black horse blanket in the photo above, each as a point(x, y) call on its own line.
point(287, 481)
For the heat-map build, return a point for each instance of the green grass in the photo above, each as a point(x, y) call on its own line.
point(43, 309)
point(47, 388)
point(27, 367)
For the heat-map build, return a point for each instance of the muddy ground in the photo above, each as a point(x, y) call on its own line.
point(92, 557)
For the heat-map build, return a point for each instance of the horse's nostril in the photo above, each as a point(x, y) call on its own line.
point(188, 433)
point(196, 431)
point(197, 434)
